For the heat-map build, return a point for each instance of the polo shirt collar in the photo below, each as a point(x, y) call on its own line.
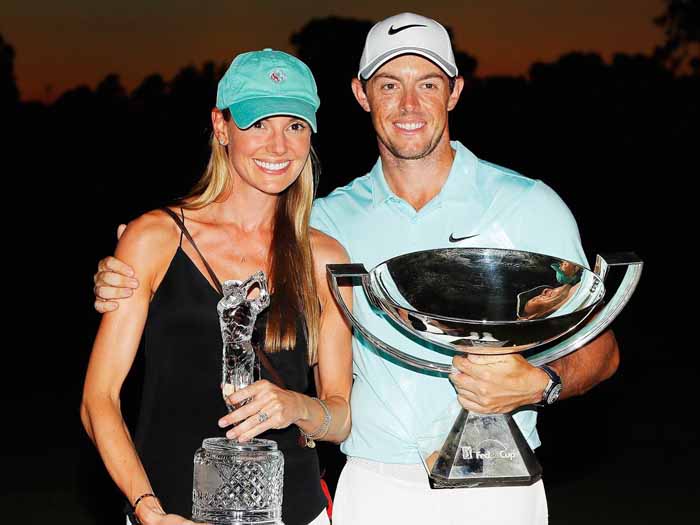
point(456, 188)
point(380, 189)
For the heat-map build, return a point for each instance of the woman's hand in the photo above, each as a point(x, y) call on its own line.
point(169, 519)
point(174, 519)
point(150, 512)
point(269, 406)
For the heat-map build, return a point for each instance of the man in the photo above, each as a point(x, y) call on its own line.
point(427, 192)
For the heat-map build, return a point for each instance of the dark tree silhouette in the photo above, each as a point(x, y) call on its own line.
point(681, 24)
point(111, 89)
point(150, 94)
point(9, 94)
point(331, 47)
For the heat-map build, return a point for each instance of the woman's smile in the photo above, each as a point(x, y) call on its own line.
point(273, 168)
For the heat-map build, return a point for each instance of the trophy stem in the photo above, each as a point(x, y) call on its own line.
point(483, 451)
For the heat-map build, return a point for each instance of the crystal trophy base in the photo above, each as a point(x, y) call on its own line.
point(238, 483)
point(481, 451)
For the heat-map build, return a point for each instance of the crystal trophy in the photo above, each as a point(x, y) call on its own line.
point(238, 483)
point(489, 302)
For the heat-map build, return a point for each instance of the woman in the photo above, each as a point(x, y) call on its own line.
point(250, 211)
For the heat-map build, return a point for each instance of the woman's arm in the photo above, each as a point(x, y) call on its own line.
point(333, 372)
point(147, 246)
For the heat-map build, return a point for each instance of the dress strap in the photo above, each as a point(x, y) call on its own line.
point(183, 229)
point(182, 214)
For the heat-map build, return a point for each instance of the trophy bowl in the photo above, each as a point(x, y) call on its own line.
point(491, 301)
point(488, 301)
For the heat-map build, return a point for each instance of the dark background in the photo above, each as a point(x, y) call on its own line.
point(616, 139)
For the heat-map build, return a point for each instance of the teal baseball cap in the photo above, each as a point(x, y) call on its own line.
point(262, 84)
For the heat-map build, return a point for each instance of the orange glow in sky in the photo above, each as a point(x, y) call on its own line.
point(59, 45)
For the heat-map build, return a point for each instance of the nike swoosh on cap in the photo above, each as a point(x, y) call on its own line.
point(457, 239)
point(393, 31)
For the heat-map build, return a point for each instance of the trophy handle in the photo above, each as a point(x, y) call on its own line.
point(336, 271)
point(604, 265)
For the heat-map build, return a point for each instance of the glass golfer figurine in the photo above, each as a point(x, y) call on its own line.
point(238, 483)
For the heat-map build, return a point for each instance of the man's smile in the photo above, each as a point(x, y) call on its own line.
point(410, 126)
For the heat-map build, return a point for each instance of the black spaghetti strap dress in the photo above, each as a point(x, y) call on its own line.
point(182, 401)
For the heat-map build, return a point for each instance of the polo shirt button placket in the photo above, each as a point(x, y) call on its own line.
point(403, 207)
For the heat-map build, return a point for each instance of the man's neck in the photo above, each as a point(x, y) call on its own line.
point(418, 181)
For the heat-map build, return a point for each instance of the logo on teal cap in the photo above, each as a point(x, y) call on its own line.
point(277, 75)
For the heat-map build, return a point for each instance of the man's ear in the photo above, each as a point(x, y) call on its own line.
point(360, 94)
point(456, 92)
point(219, 124)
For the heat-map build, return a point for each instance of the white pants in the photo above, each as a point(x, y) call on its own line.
point(321, 519)
point(371, 493)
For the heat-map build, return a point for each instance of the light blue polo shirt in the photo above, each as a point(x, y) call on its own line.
point(392, 405)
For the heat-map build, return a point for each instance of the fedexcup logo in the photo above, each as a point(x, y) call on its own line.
point(277, 76)
point(489, 449)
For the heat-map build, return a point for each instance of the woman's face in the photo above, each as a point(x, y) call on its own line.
point(269, 155)
point(568, 268)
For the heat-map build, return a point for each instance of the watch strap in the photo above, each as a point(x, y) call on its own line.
point(554, 381)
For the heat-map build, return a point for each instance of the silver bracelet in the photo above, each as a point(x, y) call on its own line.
point(322, 430)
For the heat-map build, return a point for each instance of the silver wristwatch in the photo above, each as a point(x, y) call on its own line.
point(553, 388)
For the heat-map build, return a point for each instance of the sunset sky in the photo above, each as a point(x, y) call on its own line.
point(61, 44)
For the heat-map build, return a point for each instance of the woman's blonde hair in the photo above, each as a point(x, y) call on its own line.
point(292, 277)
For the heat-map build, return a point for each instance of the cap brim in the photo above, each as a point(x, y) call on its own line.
point(369, 69)
point(248, 112)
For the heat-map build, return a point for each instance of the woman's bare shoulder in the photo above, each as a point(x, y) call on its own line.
point(326, 249)
point(151, 237)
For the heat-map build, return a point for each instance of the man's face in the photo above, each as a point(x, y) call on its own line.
point(546, 302)
point(409, 98)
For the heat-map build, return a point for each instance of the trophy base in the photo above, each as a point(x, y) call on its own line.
point(238, 483)
point(482, 451)
point(213, 517)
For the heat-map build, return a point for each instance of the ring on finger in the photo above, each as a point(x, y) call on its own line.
point(262, 416)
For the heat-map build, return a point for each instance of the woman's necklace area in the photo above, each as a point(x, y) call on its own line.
point(242, 257)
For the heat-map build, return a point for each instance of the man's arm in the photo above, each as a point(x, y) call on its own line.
point(582, 370)
point(500, 384)
point(497, 384)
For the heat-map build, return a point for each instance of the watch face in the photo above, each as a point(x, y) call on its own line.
point(554, 394)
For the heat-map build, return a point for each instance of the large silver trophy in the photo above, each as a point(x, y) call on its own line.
point(488, 301)
point(238, 483)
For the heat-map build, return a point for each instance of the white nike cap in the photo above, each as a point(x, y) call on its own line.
point(404, 34)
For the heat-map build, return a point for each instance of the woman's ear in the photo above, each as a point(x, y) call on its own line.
point(218, 123)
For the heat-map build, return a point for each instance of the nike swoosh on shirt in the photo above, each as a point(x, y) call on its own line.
point(393, 31)
point(457, 239)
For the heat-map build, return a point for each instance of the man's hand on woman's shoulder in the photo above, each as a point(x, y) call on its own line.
point(115, 279)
